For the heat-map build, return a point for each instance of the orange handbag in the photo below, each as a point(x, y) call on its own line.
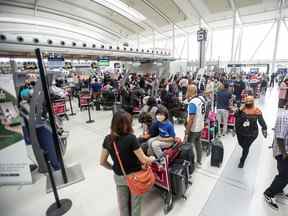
point(138, 182)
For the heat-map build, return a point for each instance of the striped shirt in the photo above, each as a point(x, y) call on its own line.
point(281, 131)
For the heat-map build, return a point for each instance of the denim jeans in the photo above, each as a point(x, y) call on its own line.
point(129, 205)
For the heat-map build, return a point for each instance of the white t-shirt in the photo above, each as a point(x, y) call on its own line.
point(196, 107)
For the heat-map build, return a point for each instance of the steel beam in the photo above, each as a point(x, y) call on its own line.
point(262, 41)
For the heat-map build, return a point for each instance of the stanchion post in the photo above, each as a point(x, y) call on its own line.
point(51, 114)
point(71, 107)
point(60, 207)
point(89, 114)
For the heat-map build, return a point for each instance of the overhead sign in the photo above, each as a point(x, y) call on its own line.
point(94, 65)
point(55, 60)
point(103, 61)
point(248, 65)
point(202, 35)
point(67, 66)
point(29, 66)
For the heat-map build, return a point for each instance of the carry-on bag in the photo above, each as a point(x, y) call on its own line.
point(179, 175)
point(187, 153)
point(217, 153)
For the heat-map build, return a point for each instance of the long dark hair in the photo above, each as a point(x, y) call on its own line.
point(121, 124)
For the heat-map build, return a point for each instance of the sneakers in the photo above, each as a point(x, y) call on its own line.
point(241, 165)
point(271, 202)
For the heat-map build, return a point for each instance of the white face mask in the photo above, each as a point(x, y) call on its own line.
point(160, 118)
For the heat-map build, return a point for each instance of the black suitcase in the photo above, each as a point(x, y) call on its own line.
point(179, 175)
point(217, 153)
point(187, 153)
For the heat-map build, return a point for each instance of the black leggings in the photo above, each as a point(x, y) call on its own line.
point(245, 143)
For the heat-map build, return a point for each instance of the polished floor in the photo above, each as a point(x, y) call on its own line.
point(225, 191)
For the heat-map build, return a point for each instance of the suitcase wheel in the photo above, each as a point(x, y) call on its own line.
point(168, 202)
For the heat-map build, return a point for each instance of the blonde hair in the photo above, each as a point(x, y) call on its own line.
point(191, 91)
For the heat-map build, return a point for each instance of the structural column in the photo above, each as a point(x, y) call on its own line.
point(154, 43)
point(188, 47)
point(211, 45)
point(233, 36)
point(138, 41)
point(276, 44)
point(173, 40)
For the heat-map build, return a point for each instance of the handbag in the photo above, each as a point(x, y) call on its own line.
point(138, 182)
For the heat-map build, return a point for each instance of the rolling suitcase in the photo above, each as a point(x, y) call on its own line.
point(217, 153)
point(179, 174)
point(187, 153)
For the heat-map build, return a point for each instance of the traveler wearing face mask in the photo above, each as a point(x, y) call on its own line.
point(247, 127)
point(166, 133)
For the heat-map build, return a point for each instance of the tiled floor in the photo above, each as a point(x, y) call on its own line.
point(225, 191)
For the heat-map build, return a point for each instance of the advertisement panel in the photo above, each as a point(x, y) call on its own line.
point(14, 162)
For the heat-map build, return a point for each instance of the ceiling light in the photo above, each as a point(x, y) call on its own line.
point(123, 9)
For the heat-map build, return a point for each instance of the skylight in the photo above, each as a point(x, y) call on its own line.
point(123, 9)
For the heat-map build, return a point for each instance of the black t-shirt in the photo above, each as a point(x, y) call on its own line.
point(126, 146)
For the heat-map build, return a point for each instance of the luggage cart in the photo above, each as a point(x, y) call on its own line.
point(232, 122)
point(84, 101)
point(59, 108)
point(162, 175)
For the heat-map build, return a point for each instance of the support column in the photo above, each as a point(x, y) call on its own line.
point(240, 46)
point(276, 44)
point(188, 47)
point(173, 40)
point(233, 36)
point(154, 43)
point(211, 45)
point(138, 41)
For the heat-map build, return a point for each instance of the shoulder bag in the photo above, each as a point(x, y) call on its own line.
point(138, 182)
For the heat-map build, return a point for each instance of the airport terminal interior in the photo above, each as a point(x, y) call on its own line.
point(143, 107)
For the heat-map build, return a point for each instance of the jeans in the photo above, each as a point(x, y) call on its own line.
point(245, 143)
point(155, 146)
point(194, 138)
point(129, 205)
point(222, 117)
point(281, 180)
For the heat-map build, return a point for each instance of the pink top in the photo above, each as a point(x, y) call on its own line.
point(283, 90)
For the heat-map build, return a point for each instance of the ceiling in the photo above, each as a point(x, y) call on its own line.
point(116, 21)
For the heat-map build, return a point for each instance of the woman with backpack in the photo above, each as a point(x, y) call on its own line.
point(247, 128)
